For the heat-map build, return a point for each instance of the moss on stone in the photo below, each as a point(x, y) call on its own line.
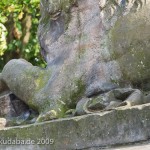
point(70, 96)
point(73, 94)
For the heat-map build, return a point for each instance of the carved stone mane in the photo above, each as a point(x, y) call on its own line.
point(113, 5)
point(112, 9)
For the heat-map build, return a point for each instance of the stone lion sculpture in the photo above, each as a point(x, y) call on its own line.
point(97, 55)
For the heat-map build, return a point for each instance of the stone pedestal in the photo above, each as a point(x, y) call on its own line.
point(120, 126)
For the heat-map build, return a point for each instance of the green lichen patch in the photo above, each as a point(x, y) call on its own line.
point(74, 93)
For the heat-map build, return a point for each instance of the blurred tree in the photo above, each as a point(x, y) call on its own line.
point(18, 31)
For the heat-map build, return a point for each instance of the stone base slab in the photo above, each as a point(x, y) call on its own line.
point(120, 126)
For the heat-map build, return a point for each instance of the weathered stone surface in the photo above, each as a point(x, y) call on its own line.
point(26, 82)
point(133, 146)
point(140, 146)
point(129, 43)
point(111, 100)
point(119, 126)
point(91, 47)
point(3, 86)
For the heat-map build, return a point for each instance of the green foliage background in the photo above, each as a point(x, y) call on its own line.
point(18, 31)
